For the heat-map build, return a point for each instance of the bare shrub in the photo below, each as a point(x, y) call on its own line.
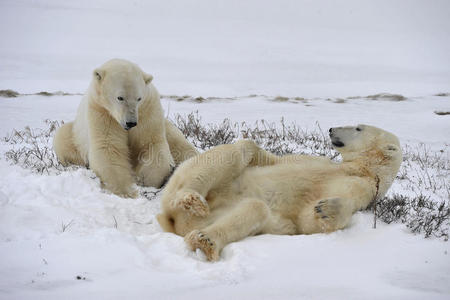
point(8, 93)
point(419, 213)
point(279, 138)
point(206, 136)
point(381, 96)
point(387, 96)
point(425, 170)
point(442, 113)
point(198, 99)
point(50, 94)
point(13, 94)
point(280, 99)
point(32, 149)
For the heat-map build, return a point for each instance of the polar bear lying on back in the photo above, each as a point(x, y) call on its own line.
point(239, 190)
point(120, 130)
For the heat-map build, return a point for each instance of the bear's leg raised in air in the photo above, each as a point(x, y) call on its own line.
point(213, 168)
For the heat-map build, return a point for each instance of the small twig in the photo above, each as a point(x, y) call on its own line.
point(64, 227)
point(115, 222)
point(153, 193)
point(375, 199)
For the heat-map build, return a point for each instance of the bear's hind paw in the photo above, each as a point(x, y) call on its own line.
point(192, 202)
point(199, 240)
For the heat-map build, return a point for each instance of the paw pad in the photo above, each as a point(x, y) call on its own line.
point(193, 203)
point(329, 213)
point(199, 240)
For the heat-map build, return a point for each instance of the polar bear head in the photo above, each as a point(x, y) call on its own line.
point(121, 87)
point(369, 149)
point(356, 141)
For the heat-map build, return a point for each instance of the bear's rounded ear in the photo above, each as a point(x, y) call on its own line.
point(147, 78)
point(99, 74)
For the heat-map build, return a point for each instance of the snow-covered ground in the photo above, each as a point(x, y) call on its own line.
point(54, 228)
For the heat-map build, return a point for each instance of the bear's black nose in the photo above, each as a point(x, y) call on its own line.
point(131, 124)
point(330, 130)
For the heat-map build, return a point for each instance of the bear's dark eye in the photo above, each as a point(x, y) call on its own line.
point(139, 99)
point(120, 98)
point(358, 129)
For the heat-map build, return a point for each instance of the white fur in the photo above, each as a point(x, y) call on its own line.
point(102, 138)
point(250, 191)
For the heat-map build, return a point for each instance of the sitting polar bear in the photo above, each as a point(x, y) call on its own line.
point(120, 129)
point(234, 191)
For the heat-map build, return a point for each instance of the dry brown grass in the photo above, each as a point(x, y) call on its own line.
point(442, 113)
point(8, 93)
point(280, 99)
point(13, 94)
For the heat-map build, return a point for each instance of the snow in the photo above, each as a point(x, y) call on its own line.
point(54, 228)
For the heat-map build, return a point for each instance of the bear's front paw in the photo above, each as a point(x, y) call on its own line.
point(152, 175)
point(329, 213)
point(124, 191)
point(199, 240)
point(131, 192)
point(192, 202)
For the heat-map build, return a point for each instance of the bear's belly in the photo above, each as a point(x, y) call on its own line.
point(281, 187)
